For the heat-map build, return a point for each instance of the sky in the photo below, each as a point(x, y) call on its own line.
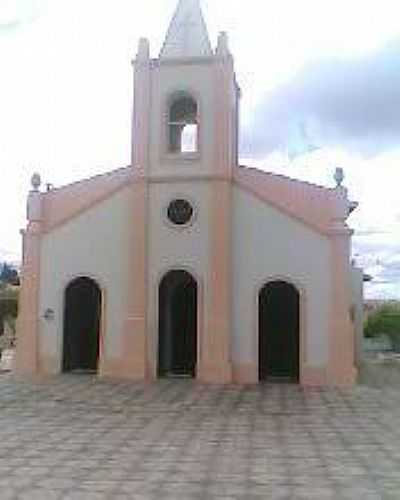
point(320, 83)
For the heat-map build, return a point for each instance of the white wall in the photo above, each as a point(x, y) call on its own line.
point(97, 244)
point(266, 245)
point(174, 248)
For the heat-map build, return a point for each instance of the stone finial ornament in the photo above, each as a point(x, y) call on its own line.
point(339, 177)
point(143, 49)
point(223, 45)
point(36, 181)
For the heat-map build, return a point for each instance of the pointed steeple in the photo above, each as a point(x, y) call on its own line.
point(187, 35)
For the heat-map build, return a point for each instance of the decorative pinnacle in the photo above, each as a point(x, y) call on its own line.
point(339, 177)
point(36, 181)
point(143, 49)
point(223, 45)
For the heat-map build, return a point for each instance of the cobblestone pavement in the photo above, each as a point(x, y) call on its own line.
point(75, 437)
point(381, 373)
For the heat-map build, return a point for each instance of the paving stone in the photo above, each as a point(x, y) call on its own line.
point(7, 493)
point(38, 494)
point(78, 437)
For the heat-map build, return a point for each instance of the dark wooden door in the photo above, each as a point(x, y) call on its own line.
point(177, 325)
point(279, 332)
point(81, 325)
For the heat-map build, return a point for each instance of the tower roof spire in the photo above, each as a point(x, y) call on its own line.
point(187, 34)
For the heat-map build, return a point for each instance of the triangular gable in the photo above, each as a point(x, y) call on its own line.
point(62, 204)
point(313, 205)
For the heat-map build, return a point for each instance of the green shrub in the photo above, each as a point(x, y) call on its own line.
point(8, 306)
point(385, 321)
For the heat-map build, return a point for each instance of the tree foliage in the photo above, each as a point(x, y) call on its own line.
point(8, 305)
point(9, 275)
point(385, 321)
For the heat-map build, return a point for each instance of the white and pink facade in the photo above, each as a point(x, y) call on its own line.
point(248, 248)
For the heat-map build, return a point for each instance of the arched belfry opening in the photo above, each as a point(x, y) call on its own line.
point(279, 332)
point(177, 344)
point(183, 125)
point(82, 311)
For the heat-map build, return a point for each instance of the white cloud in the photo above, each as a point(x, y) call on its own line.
point(66, 86)
point(373, 183)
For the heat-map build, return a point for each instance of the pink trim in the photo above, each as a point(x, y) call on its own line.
point(245, 373)
point(63, 204)
point(109, 367)
point(215, 364)
point(48, 365)
point(141, 116)
point(134, 356)
point(313, 205)
point(341, 370)
point(28, 316)
point(314, 376)
point(224, 117)
point(216, 372)
point(132, 364)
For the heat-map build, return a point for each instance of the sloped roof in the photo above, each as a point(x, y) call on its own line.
point(315, 206)
point(187, 34)
point(62, 204)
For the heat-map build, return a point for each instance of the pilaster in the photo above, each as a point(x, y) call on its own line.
point(28, 323)
point(216, 365)
point(341, 370)
point(141, 108)
point(133, 361)
point(225, 110)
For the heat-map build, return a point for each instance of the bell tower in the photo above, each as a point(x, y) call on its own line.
point(184, 150)
point(186, 102)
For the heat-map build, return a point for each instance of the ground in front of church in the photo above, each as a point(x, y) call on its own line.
point(75, 437)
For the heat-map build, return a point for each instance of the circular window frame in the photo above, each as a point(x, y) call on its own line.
point(190, 222)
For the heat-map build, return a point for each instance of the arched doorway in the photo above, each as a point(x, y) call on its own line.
point(177, 345)
point(279, 332)
point(82, 310)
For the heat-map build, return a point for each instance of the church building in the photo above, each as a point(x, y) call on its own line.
point(185, 263)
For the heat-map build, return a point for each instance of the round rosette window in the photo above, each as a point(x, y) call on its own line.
point(180, 212)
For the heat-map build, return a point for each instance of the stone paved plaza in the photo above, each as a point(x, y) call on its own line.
point(75, 437)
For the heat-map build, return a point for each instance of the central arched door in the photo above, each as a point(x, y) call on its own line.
point(279, 332)
point(82, 310)
point(177, 349)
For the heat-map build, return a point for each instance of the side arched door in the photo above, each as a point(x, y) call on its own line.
point(82, 310)
point(279, 332)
